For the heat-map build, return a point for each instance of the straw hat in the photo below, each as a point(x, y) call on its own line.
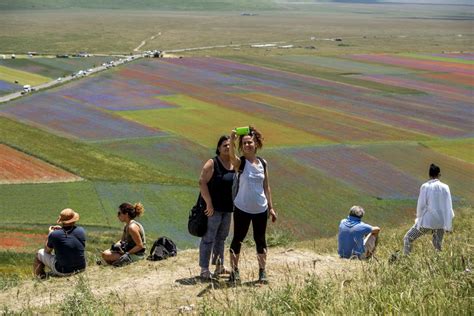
point(67, 217)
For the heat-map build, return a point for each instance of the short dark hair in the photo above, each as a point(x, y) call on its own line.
point(434, 171)
point(222, 139)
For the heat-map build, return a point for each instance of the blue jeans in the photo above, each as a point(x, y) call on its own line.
point(213, 241)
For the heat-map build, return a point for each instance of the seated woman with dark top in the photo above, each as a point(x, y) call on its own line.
point(131, 247)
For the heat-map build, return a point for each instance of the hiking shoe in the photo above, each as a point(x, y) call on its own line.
point(234, 277)
point(262, 277)
point(205, 275)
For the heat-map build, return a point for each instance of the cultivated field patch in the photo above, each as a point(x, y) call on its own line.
point(345, 66)
point(21, 241)
point(360, 170)
point(325, 122)
point(22, 77)
point(65, 116)
point(172, 155)
point(462, 149)
point(414, 160)
point(199, 121)
point(116, 92)
point(53, 67)
point(7, 87)
point(419, 64)
point(17, 167)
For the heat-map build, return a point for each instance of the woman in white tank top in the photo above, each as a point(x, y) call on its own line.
point(253, 202)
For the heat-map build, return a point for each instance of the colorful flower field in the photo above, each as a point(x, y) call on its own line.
point(360, 170)
point(66, 116)
point(330, 144)
point(17, 167)
point(414, 160)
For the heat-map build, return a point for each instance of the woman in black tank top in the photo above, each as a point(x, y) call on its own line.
point(215, 184)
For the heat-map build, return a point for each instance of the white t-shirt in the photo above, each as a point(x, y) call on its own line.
point(435, 208)
point(251, 196)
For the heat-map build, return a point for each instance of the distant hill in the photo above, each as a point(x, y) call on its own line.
point(140, 4)
point(452, 2)
point(217, 5)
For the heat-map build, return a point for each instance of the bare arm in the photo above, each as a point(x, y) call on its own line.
point(206, 175)
point(51, 229)
point(268, 194)
point(47, 249)
point(134, 232)
point(233, 153)
point(375, 230)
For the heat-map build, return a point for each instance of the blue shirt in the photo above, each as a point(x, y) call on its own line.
point(351, 237)
point(68, 244)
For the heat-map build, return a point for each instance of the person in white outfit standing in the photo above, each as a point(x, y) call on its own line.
point(434, 212)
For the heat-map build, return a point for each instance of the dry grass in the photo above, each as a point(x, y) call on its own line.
point(167, 286)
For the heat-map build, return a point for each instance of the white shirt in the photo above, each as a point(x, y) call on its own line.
point(251, 197)
point(435, 208)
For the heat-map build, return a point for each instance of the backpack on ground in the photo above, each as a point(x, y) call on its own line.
point(162, 248)
point(236, 181)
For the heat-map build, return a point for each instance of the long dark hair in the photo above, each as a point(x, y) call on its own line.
point(222, 139)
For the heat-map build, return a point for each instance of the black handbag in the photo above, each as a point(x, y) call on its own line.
point(197, 221)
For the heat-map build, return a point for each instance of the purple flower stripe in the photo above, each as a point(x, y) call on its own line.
point(360, 170)
point(453, 92)
point(71, 118)
point(8, 87)
point(116, 94)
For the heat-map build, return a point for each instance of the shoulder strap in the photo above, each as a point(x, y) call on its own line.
point(242, 164)
point(264, 163)
point(217, 167)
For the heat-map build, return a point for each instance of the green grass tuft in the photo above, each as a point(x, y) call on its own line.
point(83, 302)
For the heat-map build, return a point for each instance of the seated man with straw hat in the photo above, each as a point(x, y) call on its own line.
point(68, 242)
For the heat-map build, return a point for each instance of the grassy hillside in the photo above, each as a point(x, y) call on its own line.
point(84, 160)
point(305, 278)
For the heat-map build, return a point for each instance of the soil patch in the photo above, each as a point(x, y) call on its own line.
point(18, 167)
point(20, 242)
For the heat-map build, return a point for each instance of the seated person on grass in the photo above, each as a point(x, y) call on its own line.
point(131, 247)
point(356, 239)
point(68, 242)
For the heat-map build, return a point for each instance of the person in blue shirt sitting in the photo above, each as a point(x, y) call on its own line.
point(68, 242)
point(356, 239)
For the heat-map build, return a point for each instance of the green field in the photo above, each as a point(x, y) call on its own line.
point(53, 67)
point(461, 149)
point(78, 158)
point(187, 121)
point(365, 28)
point(22, 77)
